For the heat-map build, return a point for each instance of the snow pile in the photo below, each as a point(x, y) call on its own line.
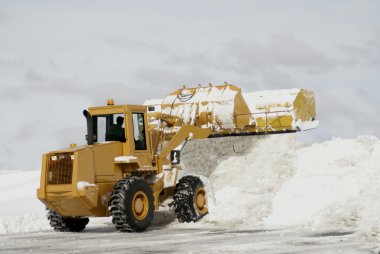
point(336, 187)
point(24, 223)
point(328, 186)
point(244, 186)
point(20, 210)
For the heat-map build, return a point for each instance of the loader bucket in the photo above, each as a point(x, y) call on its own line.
point(226, 111)
point(283, 110)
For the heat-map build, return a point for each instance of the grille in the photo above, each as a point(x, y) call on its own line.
point(61, 168)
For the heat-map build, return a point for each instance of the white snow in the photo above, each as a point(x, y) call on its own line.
point(245, 186)
point(280, 103)
point(211, 99)
point(24, 223)
point(82, 185)
point(125, 159)
point(154, 102)
point(303, 126)
point(332, 185)
point(20, 210)
point(280, 99)
point(328, 186)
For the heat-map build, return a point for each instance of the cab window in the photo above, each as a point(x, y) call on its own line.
point(139, 131)
point(109, 128)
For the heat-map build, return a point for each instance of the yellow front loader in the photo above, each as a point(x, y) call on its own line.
point(131, 161)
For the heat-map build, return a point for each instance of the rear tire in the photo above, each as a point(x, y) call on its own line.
point(131, 205)
point(69, 224)
point(190, 201)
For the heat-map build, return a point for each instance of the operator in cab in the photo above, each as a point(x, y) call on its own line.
point(116, 131)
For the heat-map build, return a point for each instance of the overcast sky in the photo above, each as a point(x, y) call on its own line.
point(59, 57)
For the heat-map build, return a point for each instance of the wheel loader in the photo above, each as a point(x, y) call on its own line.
point(131, 162)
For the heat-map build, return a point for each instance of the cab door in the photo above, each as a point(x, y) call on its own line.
point(141, 140)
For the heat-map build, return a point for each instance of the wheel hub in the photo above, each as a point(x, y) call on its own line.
point(200, 201)
point(140, 205)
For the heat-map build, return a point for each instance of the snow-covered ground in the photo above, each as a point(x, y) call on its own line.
point(278, 183)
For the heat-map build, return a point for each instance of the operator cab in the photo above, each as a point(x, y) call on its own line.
point(123, 123)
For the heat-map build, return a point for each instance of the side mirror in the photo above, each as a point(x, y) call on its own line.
point(175, 157)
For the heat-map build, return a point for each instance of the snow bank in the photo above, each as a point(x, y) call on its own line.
point(336, 187)
point(244, 186)
point(328, 186)
point(20, 210)
point(23, 223)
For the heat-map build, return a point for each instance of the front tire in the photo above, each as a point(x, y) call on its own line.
point(131, 205)
point(190, 201)
point(69, 224)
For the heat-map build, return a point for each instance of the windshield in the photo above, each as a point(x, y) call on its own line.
point(109, 127)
